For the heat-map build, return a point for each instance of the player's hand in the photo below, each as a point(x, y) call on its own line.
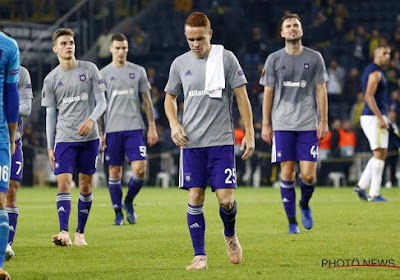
point(178, 135)
point(322, 130)
point(267, 134)
point(248, 146)
point(85, 127)
point(152, 136)
point(12, 148)
point(382, 123)
point(52, 157)
point(103, 143)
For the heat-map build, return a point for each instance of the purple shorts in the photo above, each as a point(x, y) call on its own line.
point(81, 154)
point(215, 165)
point(295, 146)
point(120, 143)
point(5, 160)
point(17, 163)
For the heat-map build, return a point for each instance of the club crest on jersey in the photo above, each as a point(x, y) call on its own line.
point(132, 75)
point(188, 178)
point(306, 65)
point(82, 77)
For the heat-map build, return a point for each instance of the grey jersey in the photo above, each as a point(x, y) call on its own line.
point(207, 121)
point(25, 92)
point(124, 84)
point(72, 93)
point(294, 78)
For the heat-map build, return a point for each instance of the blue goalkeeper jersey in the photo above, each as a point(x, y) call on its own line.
point(9, 73)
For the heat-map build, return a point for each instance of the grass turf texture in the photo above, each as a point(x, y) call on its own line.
point(159, 247)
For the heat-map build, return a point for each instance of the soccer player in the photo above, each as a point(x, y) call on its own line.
point(209, 76)
point(73, 94)
point(9, 69)
point(294, 80)
point(17, 163)
point(374, 123)
point(124, 125)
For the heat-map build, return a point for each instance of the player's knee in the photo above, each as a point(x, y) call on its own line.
point(140, 170)
point(308, 178)
point(226, 202)
point(288, 175)
point(196, 198)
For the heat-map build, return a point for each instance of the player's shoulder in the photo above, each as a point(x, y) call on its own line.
point(106, 68)
point(183, 57)
point(7, 41)
point(276, 54)
point(23, 70)
point(85, 64)
point(53, 73)
point(134, 66)
point(311, 52)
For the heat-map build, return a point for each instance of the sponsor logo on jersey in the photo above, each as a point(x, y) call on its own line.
point(188, 73)
point(14, 71)
point(60, 84)
point(197, 93)
point(306, 65)
point(283, 67)
point(83, 96)
point(132, 75)
point(123, 92)
point(82, 77)
point(301, 84)
point(240, 72)
point(112, 78)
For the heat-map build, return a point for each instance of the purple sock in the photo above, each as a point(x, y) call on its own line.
point(63, 209)
point(288, 195)
point(229, 218)
point(12, 219)
point(197, 227)
point(134, 186)
point(84, 205)
point(115, 188)
point(306, 193)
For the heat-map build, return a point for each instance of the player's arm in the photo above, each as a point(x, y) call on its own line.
point(103, 143)
point(148, 108)
point(266, 132)
point(248, 142)
point(51, 121)
point(178, 134)
point(322, 99)
point(11, 104)
point(373, 81)
point(25, 107)
point(101, 105)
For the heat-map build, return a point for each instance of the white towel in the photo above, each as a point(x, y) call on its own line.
point(215, 76)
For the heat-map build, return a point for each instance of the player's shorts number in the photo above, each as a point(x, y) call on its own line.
point(4, 173)
point(142, 150)
point(231, 178)
point(19, 167)
point(314, 151)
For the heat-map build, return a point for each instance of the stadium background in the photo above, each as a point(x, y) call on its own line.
point(345, 32)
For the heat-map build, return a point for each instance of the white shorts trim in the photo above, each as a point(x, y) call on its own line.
point(377, 137)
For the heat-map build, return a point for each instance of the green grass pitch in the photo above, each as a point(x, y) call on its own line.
point(159, 247)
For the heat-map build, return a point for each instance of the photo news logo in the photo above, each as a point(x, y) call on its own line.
point(339, 263)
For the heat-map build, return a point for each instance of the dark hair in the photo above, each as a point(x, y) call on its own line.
point(119, 37)
point(62, 32)
point(198, 19)
point(285, 17)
